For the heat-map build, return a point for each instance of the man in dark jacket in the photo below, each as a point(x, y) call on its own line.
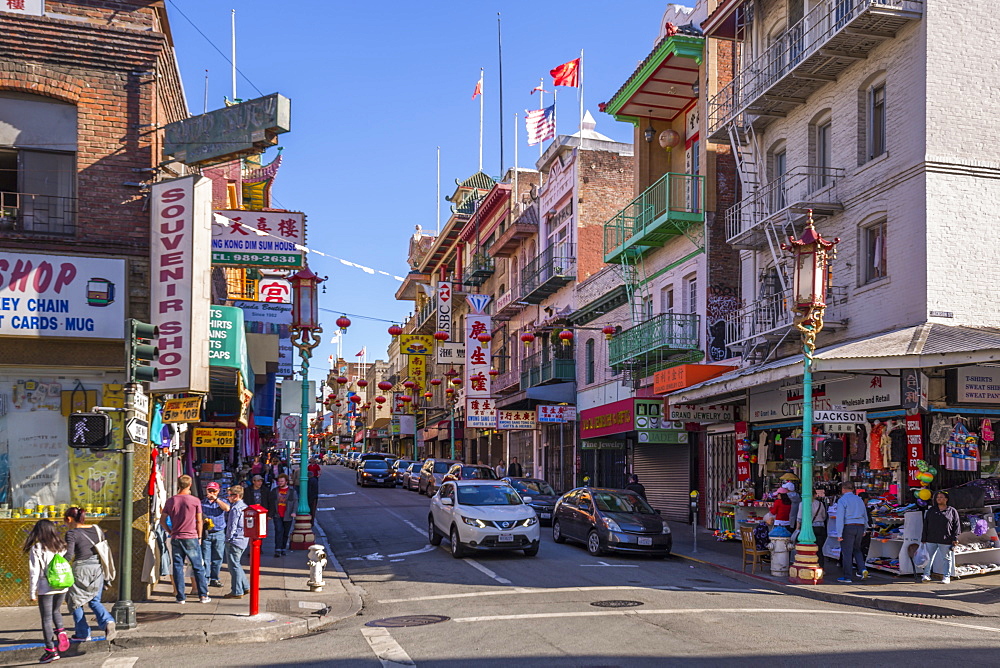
point(633, 485)
point(940, 534)
point(514, 470)
point(258, 494)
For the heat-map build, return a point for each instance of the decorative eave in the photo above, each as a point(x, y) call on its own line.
point(497, 197)
point(408, 288)
point(665, 59)
point(721, 24)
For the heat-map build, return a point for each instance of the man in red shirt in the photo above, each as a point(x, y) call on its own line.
point(182, 519)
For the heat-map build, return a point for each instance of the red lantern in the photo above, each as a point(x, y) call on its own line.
point(380, 399)
point(449, 391)
point(485, 338)
point(451, 373)
point(384, 385)
point(405, 398)
point(442, 336)
point(338, 404)
point(435, 381)
point(343, 322)
point(355, 399)
point(527, 338)
point(341, 380)
point(409, 384)
point(456, 381)
point(609, 332)
point(494, 373)
point(566, 337)
point(428, 394)
point(362, 383)
point(395, 330)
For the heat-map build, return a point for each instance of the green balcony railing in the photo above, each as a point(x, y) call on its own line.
point(665, 210)
point(655, 340)
point(542, 368)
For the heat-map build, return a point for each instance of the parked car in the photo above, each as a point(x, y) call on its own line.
point(366, 456)
point(482, 515)
point(610, 520)
point(411, 476)
point(432, 474)
point(375, 471)
point(399, 468)
point(538, 494)
point(470, 472)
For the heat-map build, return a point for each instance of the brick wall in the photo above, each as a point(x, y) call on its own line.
point(605, 182)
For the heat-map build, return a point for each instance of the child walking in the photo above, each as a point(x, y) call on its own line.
point(42, 545)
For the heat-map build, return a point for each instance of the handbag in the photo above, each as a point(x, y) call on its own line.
point(103, 550)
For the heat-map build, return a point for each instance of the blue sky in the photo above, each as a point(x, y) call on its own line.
point(375, 88)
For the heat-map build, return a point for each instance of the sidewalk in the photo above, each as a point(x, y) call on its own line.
point(977, 596)
point(287, 609)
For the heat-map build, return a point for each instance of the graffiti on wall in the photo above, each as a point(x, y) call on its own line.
point(722, 301)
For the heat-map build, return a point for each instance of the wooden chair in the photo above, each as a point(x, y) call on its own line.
point(750, 552)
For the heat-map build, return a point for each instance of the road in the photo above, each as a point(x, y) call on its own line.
point(508, 609)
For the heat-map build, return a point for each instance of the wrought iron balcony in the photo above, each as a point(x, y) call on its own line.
point(665, 210)
point(655, 341)
point(812, 52)
point(425, 314)
point(37, 214)
point(546, 367)
point(544, 275)
point(770, 316)
point(506, 305)
point(480, 268)
point(799, 190)
point(508, 380)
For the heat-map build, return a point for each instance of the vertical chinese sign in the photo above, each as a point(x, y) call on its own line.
point(478, 359)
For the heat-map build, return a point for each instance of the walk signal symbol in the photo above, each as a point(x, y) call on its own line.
point(90, 430)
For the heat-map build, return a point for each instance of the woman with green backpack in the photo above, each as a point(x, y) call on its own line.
point(49, 577)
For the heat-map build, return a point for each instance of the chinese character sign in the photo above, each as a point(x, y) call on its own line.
point(551, 414)
point(258, 238)
point(417, 370)
point(516, 419)
point(274, 290)
point(478, 360)
point(480, 413)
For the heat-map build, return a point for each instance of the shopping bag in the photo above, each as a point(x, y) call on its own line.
point(103, 550)
point(831, 548)
point(921, 558)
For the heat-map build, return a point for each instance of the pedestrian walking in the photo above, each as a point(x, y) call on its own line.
point(213, 538)
point(182, 518)
point(501, 469)
point(284, 502)
point(940, 534)
point(312, 494)
point(781, 507)
point(43, 545)
point(635, 486)
point(88, 576)
point(258, 494)
point(852, 520)
point(236, 544)
point(514, 470)
point(795, 499)
point(820, 516)
point(258, 467)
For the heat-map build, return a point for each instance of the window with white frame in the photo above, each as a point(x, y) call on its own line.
point(667, 300)
point(691, 294)
point(876, 117)
point(824, 153)
point(875, 252)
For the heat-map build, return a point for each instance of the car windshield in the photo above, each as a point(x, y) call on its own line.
point(622, 503)
point(415, 467)
point(478, 473)
point(488, 495)
point(441, 467)
point(402, 463)
point(536, 487)
point(376, 464)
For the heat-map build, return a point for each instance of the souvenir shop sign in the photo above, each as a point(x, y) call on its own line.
point(914, 448)
point(516, 419)
point(849, 417)
point(180, 281)
point(858, 393)
point(182, 410)
point(235, 238)
point(699, 413)
point(213, 438)
point(61, 295)
point(973, 385)
point(480, 413)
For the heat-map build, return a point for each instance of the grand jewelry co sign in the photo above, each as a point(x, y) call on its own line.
point(180, 281)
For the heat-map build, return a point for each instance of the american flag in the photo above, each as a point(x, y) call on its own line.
point(541, 124)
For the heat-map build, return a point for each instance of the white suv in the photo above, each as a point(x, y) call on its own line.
point(482, 515)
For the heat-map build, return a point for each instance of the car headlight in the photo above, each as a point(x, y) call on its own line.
point(473, 522)
point(367, 474)
point(666, 527)
point(530, 521)
point(610, 524)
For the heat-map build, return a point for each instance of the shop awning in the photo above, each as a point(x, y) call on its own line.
point(922, 346)
point(560, 393)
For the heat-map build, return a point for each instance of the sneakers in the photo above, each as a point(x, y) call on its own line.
point(232, 595)
point(76, 639)
point(864, 574)
point(925, 578)
point(205, 599)
point(62, 640)
point(845, 580)
point(215, 583)
point(110, 631)
point(945, 580)
point(181, 601)
point(49, 656)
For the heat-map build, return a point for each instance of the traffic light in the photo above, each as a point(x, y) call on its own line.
point(90, 430)
point(141, 352)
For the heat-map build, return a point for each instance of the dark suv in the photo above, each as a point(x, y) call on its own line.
point(375, 471)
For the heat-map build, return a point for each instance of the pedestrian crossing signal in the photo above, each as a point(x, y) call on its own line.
point(141, 352)
point(90, 430)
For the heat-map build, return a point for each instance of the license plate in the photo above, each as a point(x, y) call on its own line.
point(506, 538)
point(645, 540)
point(546, 516)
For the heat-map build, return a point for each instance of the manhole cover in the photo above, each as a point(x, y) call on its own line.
point(408, 620)
point(616, 603)
point(150, 617)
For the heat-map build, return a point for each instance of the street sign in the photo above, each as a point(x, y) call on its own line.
point(137, 431)
point(140, 402)
point(851, 417)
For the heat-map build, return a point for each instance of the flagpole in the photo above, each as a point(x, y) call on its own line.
point(581, 98)
point(437, 202)
point(234, 54)
point(481, 71)
point(541, 105)
point(500, 87)
point(555, 113)
point(515, 162)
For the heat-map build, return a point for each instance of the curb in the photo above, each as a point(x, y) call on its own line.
point(820, 593)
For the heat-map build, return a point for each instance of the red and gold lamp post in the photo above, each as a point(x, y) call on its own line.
point(810, 285)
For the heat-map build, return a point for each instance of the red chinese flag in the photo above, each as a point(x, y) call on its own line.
point(567, 74)
point(479, 89)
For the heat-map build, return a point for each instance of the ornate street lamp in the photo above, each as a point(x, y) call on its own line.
point(810, 284)
point(305, 334)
